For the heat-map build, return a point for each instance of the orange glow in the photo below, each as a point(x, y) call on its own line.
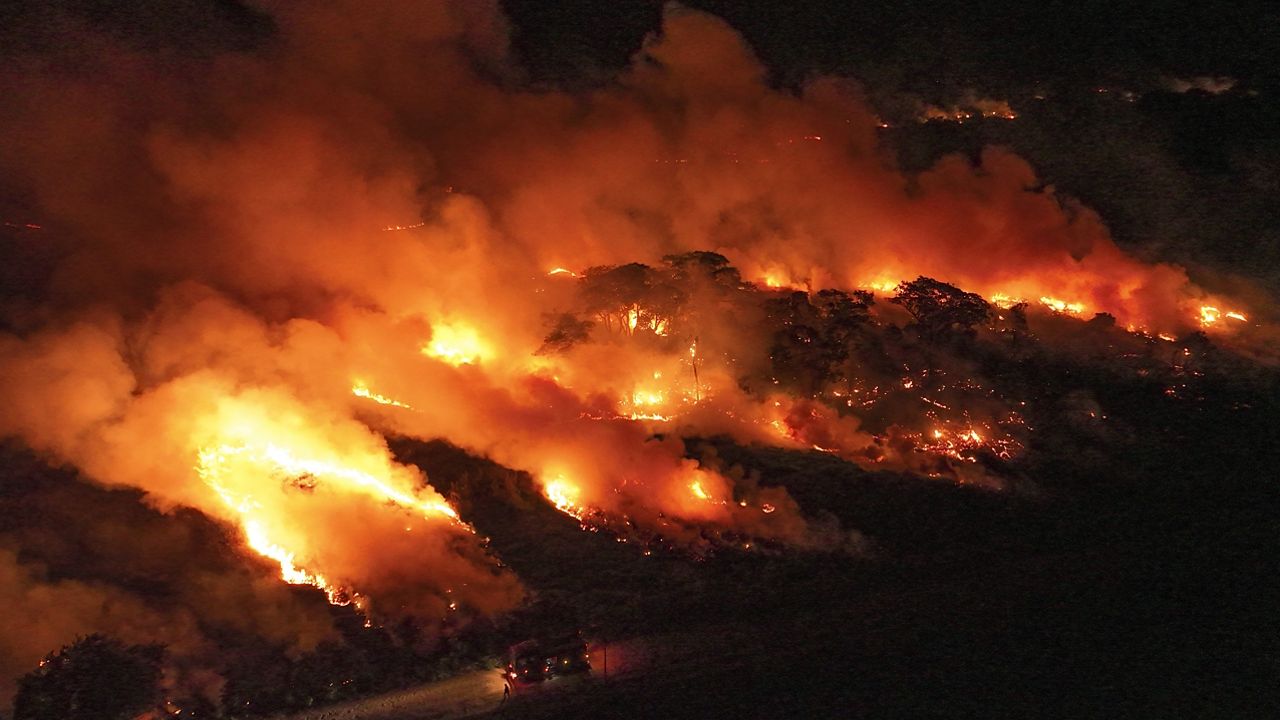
point(698, 492)
point(882, 286)
point(456, 345)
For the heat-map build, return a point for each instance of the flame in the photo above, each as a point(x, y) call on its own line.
point(1062, 306)
point(561, 271)
point(882, 285)
point(258, 540)
point(964, 443)
point(1210, 315)
point(564, 495)
point(779, 280)
point(648, 397)
point(457, 345)
point(394, 228)
point(986, 107)
point(1004, 301)
point(645, 404)
point(361, 390)
point(226, 465)
point(698, 492)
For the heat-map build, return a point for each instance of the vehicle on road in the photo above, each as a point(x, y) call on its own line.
point(536, 660)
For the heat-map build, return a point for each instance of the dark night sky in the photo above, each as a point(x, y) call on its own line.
point(932, 40)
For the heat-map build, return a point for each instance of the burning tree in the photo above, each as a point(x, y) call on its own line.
point(629, 297)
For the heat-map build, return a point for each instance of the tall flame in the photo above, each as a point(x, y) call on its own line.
point(248, 464)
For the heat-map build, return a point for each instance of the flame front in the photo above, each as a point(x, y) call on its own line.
point(276, 476)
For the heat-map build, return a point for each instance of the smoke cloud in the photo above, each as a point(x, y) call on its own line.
point(266, 258)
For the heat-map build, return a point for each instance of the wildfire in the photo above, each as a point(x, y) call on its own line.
point(1062, 306)
point(1210, 315)
point(645, 404)
point(954, 114)
point(361, 390)
point(882, 286)
point(779, 280)
point(1004, 302)
point(964, 444)
point(456, 345)
point(258, 540)
point(698, 492)
point(564, 495)
point(561, 271)
point(648, 403)
point(394, 228)
point(229, 465)
point(986, 107)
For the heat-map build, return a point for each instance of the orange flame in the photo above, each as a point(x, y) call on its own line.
point(457, 345)
point(361, 390)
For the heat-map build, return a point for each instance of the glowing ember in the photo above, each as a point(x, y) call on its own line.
point(964, 444)
point(393, 228)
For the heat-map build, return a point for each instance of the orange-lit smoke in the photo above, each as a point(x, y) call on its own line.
point(355, 229)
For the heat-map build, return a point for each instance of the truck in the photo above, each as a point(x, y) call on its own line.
point(541, 659)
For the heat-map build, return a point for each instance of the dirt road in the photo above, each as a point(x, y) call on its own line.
point(473, 693)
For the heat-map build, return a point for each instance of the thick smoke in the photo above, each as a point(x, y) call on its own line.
point(368, 200)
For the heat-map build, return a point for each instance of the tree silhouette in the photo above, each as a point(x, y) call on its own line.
point(566, 331)
point(94, 678)
point(627, 297)
point(940, 309)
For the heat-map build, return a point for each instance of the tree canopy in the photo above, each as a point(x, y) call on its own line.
point(93, 678)
point(940, 309)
